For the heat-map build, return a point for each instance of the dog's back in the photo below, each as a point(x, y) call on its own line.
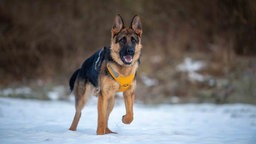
point(90, 69)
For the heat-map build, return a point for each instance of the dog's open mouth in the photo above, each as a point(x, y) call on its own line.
point(128, 59)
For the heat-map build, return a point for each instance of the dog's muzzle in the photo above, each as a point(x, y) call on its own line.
point(127, 55)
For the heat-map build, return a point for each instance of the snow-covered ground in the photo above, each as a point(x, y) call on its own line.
point(32, 121)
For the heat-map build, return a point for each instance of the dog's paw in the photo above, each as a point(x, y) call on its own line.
point(108, 131)
point(72, 129)
point(100, 132)
point(127, 119)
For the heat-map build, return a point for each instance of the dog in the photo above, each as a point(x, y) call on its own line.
point(108, 71)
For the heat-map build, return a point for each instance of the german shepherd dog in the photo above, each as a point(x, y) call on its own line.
point(108, 71)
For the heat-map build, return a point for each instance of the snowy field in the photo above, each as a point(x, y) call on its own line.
point(32, 121)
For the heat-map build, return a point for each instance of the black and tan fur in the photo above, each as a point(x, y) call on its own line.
point(93, 78)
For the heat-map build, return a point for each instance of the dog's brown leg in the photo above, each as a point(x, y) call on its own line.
point(102, 114)
point(75, 121)
point(111, 103)
point(82, 95)
point(128, 100)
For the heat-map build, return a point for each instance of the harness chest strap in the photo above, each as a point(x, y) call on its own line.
point(124, 81)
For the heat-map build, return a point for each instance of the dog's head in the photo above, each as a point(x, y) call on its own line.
point(126, 41)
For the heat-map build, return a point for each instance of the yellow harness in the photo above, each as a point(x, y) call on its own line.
point(124, 81)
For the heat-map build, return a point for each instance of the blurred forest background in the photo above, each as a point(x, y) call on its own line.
point(193, 51)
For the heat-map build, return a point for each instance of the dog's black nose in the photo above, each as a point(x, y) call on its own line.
point(130, 51)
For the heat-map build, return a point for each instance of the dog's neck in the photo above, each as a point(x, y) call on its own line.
point(124, 70)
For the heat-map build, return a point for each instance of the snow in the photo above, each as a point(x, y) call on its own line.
point(56, 93)
point(33, 121)
point(191, 67)
point(148, 81)
point(16, 91)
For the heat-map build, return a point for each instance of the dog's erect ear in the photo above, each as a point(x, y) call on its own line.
point(118, 25)
point(136, 25)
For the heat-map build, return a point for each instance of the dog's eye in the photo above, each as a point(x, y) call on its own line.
point(123, 40)
point(134, 40)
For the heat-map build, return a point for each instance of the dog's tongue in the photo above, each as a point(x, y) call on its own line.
point(128, 58)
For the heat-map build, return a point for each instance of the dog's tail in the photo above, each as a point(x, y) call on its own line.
point(73, 79)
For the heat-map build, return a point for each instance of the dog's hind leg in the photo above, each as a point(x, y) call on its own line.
point(82, 92)
point(75, 121)
point(79, 90)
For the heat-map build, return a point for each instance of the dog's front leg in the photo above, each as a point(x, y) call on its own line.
point(128, 100)
point(102, 114)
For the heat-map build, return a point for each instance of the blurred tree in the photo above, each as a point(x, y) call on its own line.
point(45, 39)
